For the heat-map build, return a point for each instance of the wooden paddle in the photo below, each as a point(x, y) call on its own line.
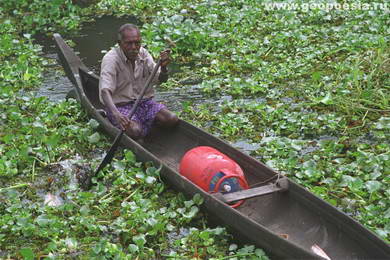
point(87, 183)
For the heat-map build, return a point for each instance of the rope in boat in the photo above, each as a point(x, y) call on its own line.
point(277, 177)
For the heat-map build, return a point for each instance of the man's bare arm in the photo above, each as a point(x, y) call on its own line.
point(165, 60)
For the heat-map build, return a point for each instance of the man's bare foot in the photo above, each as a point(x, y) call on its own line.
point(134, 130)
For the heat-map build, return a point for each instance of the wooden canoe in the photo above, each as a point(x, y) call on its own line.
point(286, 224)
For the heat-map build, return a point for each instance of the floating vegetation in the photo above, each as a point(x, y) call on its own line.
point(307, 91)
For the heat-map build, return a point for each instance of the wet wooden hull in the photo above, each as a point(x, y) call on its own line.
point(285, 224)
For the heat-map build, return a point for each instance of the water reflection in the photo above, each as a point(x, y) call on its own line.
point(94, 37)
point(101, 35)
point(55, 85)
point(90, 43)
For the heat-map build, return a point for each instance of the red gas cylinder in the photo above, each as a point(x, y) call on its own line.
point(213, 171)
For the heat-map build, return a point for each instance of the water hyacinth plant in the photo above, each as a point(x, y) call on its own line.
point(44, 213)
point(309, 90)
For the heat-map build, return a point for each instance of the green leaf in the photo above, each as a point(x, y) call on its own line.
point(130, 157)
point(181, 210)
point(170, 227)
point(346, 180)
point(383, 123)
point(151, 221)
point(84, 210)
point(133, 248)
point(194, 210)
point(140, 175)
point(119, 165)
point(97, 248)
point(218, 230)
point(188, 203)
point(373, 186)
point(211, 250)
point(43, 220)
point(247, 249)
point(316, 76)
point(233, 247)
point(152, 171)
point(86, 195)
point(204, 235)
point(387, 213)
point(53, 140)
point(93, 139)
point(93, 123)
point(327, 100)
point(357, 184)
point(150, 179)
point(139, 240)
point(26, 75)
point(198, 199)
point(259, 252)
point(27, 253)
point(71, 243)
point(38, 124)
point(382, 233)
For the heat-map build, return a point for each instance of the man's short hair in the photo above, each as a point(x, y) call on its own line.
point(126, 27)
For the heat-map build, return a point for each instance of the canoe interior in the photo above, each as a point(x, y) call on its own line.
point(284, 214)
point(297, 215)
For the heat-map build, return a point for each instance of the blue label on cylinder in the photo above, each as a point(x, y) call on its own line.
point(231, 182)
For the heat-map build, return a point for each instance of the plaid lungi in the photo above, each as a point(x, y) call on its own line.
point(144, 114)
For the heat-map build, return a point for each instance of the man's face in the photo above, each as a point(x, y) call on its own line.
point(130, 43)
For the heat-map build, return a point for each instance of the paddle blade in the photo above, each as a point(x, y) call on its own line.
point(110, 154)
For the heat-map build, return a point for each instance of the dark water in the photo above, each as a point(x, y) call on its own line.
point(91, 43)
point(97, 37)
point(92, 39)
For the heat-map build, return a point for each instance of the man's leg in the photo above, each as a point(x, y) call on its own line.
point(166, 118)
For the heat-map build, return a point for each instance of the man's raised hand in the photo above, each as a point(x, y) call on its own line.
point(165, 58)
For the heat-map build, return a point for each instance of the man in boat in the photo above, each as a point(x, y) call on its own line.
point(124, 72)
